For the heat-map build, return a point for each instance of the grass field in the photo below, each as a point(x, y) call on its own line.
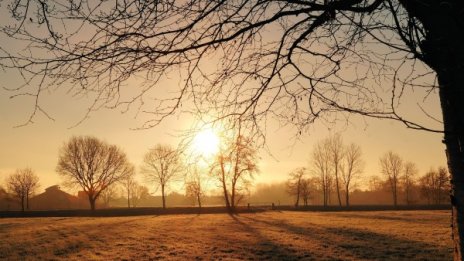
point(382, 235)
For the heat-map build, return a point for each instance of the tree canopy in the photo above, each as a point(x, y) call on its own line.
point(93, 165)
point(298, 61)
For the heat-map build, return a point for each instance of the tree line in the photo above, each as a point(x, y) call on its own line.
point(335, 169)
point(98, 168)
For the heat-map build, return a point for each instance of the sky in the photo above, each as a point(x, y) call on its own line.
point(36, 145)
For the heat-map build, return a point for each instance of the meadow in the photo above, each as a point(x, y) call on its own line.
point(271, 235)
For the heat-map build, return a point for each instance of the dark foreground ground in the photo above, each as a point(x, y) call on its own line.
point(271, 235)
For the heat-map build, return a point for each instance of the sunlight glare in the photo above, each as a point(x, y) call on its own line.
point(206, 143)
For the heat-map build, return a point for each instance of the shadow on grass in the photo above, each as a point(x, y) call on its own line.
point(387, 217)
point(350, 243)
point(265, 248)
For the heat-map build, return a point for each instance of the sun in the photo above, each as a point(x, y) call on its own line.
point(206, 143)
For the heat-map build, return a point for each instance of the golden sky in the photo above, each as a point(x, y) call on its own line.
point(36, 145)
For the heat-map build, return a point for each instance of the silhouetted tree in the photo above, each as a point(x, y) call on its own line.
point(108, 194)
point(335, 56)
point(193, 190)
point(352, 167)
point(129, 184)
point(162, 165)
point(434, 185)
point(92, 165)
point(23, 184)
point(15, 187)
point(375, 183)
point(392, 166)
point(295, 184)
point(235, 166)
point(194, 186)
point(244, 165)
point(443, 185)
point(138, 194)
point(337, 153)
point(306, 191)
point(408, 180)
point(321, 166)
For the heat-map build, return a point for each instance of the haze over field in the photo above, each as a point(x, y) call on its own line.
point(36, 145)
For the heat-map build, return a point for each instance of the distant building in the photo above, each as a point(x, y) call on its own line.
point(7, 201)
point(84, 200)
point(54, 199)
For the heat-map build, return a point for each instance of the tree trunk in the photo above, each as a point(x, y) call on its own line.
point(224, 187)
point(163, 197)
point(27, 200)
point(297, 195)
point(92, 203)
point(199, 201)
point(22, 203)
point(347, 197)
point(443, 51)
point(338, 187)
point(452, 96)
point(324, 190)
point(326, 195)
point(128, 199)
point(226, 195)
point(453, 114)
point(232, 197)
point(393, 185)
point(439, 194)
point(407, 196)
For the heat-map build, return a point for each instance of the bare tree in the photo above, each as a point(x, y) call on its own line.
point(194, 190)
point(15, 187)
point(92, 165)
point(428, 186)
point(434, 185)
point(295, 184)
point(194, 186)
point(321, 167)
point(336, 165)
point(408, 180)
point(244, 166)
point(376, 183)
point(306, 191)
point(129, 184)
point(138, 194)
point(443, 185)
point(161, 165)
point(352, 167)
point(221, 172)
point(337, 154)
point(108, 194)
point(235, 166)
point(23, 184)
point(335, 56)
point(392, 166)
